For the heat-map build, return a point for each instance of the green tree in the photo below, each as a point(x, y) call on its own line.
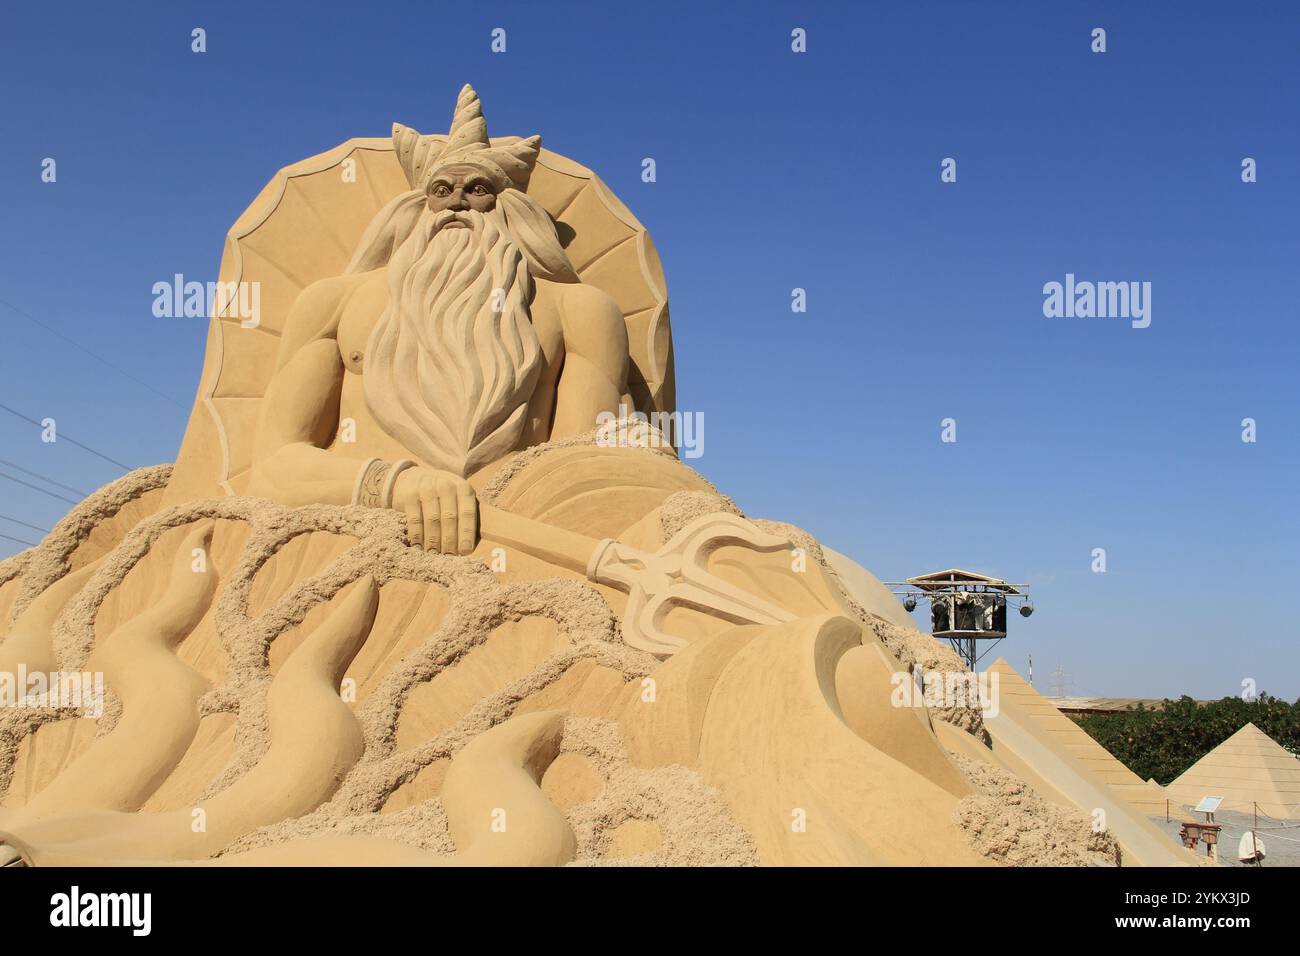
point(1162, 743)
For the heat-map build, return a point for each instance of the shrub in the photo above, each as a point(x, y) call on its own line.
point(1161, 744)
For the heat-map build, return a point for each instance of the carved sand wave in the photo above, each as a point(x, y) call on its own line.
point(308, 778)
point(293, 726)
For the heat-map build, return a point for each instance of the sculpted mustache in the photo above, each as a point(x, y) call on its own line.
point(447, 215)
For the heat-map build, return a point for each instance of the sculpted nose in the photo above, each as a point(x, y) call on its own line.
point(458, 200)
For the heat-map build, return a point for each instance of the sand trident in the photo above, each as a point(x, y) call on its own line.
point(676, 574)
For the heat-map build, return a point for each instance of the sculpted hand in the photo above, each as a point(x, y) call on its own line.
point(441, 510)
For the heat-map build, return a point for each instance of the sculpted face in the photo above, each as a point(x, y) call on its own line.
point(451, 365)
point(457, 189)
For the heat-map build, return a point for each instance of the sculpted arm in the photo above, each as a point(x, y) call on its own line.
point(292, 461)
point(300, 411)
point(594, 378)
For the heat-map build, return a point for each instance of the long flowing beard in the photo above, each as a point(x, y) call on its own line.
point(452, 364)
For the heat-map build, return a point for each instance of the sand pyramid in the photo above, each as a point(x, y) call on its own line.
point(1037, 713)
point(1248, 768)
point(1058, 758)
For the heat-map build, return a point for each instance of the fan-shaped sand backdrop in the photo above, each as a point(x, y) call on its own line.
point(299, 685)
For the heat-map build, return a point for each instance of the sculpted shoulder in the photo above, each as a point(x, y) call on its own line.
point(316, 312)
point(580, 295)
point(593, 322)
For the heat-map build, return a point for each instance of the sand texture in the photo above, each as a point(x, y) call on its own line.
point(298, 685)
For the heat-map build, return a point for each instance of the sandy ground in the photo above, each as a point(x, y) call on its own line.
point(1010, 823)
point(1281, 841)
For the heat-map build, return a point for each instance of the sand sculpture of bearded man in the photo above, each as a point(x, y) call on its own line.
point(458, 336)
point(458, 333)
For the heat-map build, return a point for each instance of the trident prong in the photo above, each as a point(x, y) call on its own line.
point(677, 575)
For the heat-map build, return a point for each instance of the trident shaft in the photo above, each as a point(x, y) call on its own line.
point(675, 575)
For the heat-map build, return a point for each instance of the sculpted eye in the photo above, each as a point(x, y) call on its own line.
point(441, 191)
point(481, 190)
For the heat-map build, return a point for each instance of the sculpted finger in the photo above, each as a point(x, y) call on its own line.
point(414, 525)
point(429, 507)
point(467, 517)
point(447, 514)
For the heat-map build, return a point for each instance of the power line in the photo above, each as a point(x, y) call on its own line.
point(26, 525)
point(99, 358)
point(71, 501)
point(45, 478)
point(9, 537)
point(1062, 683)
point(65, 437)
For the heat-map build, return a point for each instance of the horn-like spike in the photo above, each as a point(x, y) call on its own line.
point(467, 142)
point(416, 153)
point(468, 127)
point(517, 159)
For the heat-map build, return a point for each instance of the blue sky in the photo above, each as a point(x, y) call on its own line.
point(775, 170)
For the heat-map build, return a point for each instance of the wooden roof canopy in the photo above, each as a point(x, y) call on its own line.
point(954, 579)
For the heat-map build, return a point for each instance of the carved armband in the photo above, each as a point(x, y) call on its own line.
point(376, 480)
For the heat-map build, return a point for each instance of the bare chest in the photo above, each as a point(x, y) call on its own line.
point(361, 314)
point(366, 307)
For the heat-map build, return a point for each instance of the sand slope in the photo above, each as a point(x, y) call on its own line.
point(296, 685)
